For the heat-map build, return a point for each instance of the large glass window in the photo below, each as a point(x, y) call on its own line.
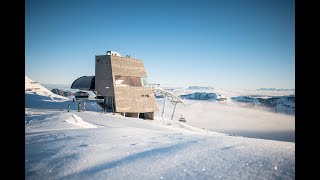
point(144, 82)
point(127, 81)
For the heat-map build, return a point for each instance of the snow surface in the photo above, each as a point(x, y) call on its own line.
point(79, 122)
point(34, 87)
point(58, 147)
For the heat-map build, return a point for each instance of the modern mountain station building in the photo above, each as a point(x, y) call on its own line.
point(120, 81)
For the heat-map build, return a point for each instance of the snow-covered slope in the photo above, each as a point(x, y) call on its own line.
point(37, 96)
point(33, 87)
point(120, 147)
point(93, 145)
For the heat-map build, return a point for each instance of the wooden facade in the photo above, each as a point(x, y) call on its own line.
point(120, 78)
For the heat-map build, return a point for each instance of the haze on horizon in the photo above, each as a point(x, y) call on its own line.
point(243, 44)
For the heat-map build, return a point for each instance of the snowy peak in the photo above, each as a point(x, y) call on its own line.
point(31, 85)
point(34, 87)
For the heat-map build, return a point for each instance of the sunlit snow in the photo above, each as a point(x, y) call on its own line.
point(94, 145)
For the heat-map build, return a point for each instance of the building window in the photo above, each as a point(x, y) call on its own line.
point(144, 81)
point(128, 81)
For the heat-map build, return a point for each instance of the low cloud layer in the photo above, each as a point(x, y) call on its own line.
point(233, 119)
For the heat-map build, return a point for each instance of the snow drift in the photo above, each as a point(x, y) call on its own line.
point(79, 122)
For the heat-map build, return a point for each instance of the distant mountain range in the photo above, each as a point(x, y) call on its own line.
point(284, 104)
point(199, 87)
point(203, 96)
point(62, 93)
point(274, 89)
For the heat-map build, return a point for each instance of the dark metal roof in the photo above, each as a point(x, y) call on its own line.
point(84, 83)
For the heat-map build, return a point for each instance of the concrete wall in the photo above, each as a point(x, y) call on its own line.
point(135, 99)
point(103, 76)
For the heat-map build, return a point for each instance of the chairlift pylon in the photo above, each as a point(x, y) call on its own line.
point(167, 95)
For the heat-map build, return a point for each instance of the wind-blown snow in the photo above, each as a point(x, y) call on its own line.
point(79, 122)
point(120, 147)
point(132, 148)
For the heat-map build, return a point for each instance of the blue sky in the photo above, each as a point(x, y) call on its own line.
point(225, 44)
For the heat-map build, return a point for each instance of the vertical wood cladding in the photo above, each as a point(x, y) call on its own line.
point(127, 99)
point(124, 66)
point(135, 99)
